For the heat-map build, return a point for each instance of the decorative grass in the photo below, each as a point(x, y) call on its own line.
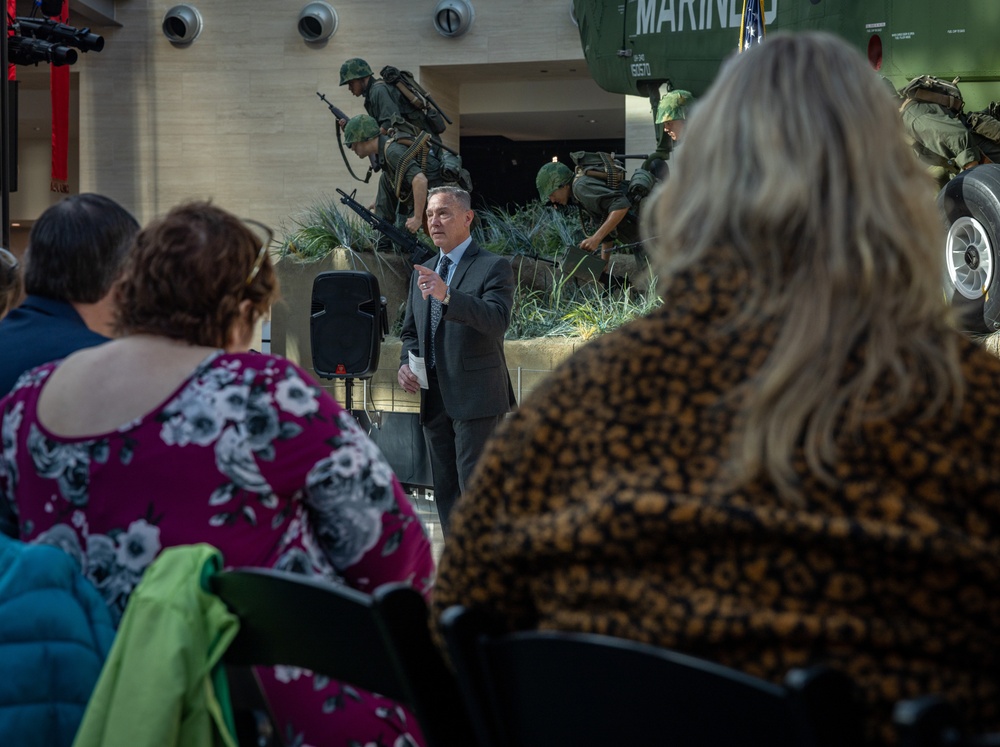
point(541, 232)
point(571, 309)
point(323, 227)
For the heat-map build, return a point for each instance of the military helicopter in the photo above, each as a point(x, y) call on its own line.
point(643, 47)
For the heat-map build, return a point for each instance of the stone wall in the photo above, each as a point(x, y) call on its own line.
point(233, 116)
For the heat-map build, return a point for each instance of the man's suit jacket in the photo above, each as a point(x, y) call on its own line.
point(470, 365)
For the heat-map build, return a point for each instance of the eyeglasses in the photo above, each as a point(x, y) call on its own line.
point(265, 245)
point(7, 258)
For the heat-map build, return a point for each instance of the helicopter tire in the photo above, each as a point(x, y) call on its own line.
point(971, 206)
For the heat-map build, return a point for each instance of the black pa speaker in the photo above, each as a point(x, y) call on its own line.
point(347, 324)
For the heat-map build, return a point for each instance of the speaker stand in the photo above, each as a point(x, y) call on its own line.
point(349, 394)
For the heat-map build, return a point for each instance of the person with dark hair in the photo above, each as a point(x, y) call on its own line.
point(75, 252)
point(174, 434)
point(793, 460)
point(11, 283)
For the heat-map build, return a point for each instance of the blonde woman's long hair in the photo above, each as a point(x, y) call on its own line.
point(795, 164)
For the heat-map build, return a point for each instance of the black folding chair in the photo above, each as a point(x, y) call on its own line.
point(931, 721)
point(534, 689)
point(380, 642)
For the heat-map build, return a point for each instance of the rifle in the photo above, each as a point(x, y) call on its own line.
point(419, 253)
point(373, 165)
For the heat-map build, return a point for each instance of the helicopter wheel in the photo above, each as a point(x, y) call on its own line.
point(971, 205)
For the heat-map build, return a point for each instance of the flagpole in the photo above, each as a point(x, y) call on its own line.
point(5, 137)
point(743, 31)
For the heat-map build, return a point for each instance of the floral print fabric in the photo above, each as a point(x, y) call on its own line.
point(251, 456)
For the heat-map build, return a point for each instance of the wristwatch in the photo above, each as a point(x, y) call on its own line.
point(447, 296)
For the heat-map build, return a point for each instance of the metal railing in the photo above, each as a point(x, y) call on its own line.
point(389, 397)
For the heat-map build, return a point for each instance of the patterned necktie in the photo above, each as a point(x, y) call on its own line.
point(436, 306)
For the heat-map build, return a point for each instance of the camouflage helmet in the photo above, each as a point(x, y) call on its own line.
point(353, 69)
point(551, 177)
point(673, 105)
point(360, 128)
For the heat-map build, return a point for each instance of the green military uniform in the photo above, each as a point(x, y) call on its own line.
point(598, 200)
point(384, 102)
point(399, 169)
point(940, 140)
point(944, 137)
point(387, 105)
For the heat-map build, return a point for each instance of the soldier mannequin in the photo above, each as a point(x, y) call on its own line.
point(383, 102)
point(670, 115)
point(556, 184)
point(945, 140)
point(387, 106)
point(672, 112)
point(363, 136)
point(610, 206)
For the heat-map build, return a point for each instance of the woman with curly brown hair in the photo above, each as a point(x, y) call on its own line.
point(174, 434)
point(793, 460)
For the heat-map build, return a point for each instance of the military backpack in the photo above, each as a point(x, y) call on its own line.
point(938, 91)
point(420, 149)
point(418, 97)
point(934, 90)
point(611, 171)
point(603, 166)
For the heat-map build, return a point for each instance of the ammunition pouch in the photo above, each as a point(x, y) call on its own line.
point(399, 126)
point(417, 150)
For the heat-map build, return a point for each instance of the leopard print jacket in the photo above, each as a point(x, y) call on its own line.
point(594, 509)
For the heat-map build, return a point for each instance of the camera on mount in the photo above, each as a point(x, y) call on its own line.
point(23, 50)
point(43, 40)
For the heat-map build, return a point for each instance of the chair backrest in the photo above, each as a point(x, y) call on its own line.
point(932, 721)
point(530, 689)
point(380, 642)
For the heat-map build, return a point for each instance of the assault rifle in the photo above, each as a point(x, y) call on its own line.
point(419, 253)
point(373, 165)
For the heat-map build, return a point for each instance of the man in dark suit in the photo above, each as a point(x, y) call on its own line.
point(457, 313)
point(75, 253)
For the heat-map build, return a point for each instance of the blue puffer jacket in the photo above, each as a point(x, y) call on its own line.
point(55, 633)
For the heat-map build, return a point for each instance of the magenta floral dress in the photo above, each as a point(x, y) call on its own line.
point(248, 455)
